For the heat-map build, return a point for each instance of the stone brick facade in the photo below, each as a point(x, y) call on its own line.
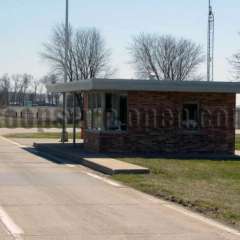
point(154, 125)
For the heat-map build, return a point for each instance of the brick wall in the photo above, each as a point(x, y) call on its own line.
point(155, 125)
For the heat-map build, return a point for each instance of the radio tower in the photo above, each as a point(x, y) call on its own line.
point(210, 50)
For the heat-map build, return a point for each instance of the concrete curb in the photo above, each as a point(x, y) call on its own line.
point(47, 151)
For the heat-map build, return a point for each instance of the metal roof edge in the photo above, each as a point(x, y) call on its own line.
point(146, 85)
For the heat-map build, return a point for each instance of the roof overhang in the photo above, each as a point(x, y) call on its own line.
point(145, 85)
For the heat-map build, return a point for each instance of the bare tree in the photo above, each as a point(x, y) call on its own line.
point(165, 57)
point(21, 84)
point(35, 90)
point(88, 56)
point(92, 56)
point(54, 51)
point(20, 88)
point(4, 90)
point(53, 98)
point(16, 79)
point(35, 84)
point(25, 85)
point(235, 63)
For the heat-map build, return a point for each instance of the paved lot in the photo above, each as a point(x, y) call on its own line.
point(41, 200)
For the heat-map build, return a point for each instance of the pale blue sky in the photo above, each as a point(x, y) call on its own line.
point(26, 24)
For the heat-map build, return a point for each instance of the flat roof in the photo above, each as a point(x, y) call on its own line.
point(145, 85)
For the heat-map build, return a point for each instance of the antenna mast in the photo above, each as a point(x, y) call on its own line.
point(210, 50)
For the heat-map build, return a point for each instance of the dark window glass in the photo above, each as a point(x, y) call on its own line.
point(116, 112)
point(123, 112)
point(108, 102)
point(109, 116)
point(190, 116)
point(95, 111)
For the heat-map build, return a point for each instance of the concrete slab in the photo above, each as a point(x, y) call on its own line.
point(112, 166)
point(97, 162)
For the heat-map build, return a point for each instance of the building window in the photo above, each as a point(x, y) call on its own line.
point(123, 109)
point(95, 111)
point(190, 116)
point(89, 112)
point(107, 111)
point(116, 112)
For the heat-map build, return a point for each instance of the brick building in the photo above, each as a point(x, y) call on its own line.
point(157, 116)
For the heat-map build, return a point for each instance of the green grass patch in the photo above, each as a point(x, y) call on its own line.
point(8, 122)
point(41, 135)
point(206, 186)
point(237, 142)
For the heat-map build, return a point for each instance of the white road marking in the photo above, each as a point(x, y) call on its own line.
point(70, 165)
point(110, 182)
point(12, 228)
point(13, 142)
point(202, 219)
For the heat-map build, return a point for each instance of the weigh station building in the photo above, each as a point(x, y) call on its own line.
point(149, 116)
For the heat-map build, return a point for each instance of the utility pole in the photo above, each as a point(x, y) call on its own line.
point(64, 131)
point(210, 47)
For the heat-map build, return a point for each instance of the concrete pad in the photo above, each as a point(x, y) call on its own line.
point(112, 166)
point(100, 163)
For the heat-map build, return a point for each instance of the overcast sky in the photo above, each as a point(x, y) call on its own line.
point(26, 24)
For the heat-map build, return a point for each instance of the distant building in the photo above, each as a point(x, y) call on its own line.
point(30, 99)
point(44, 113)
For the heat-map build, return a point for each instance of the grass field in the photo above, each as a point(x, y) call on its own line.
point(237, 144)
point(21, 123)
point(41, 135)
point(206, 186)
point(18, 123)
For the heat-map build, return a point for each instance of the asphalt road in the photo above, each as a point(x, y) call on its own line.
point(42, 200)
